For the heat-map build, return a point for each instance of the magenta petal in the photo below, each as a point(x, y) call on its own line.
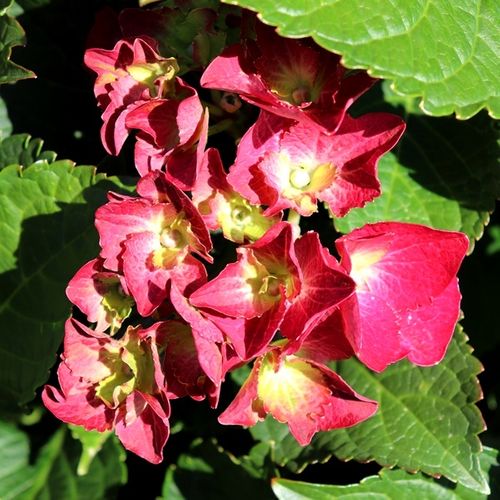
point(406, 265)
point(184, 164)
point(374, 331)
point(261, 139)
point(250, 337)
point(85, 351)
point(169, 122)
point(188, 275)
point(147, 156)
point(198, 322)
point(82, 290)
point(242, 410)
point(116, 220)
point(76, 402)
point(225, 72)
point(157, 119)
point(147, 434)
point(322, 288)
point(188, 360)
point(232, 292)
point(347, 407)
point(327, 341)
point(427, 331)
point(146, 282)
point(125, 96)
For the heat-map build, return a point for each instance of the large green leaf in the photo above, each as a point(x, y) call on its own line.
point(11, 35)
point(22, 149)
point(443, 173)
point(389, 485)
point(46, 233)
point(207, 472)
point(54, 472)
point(444, 52)
point(16, 475)
point(427, 420)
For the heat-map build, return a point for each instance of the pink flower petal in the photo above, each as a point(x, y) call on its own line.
point(427, 331)
point(86, 351)
point(404, 264)
point(243, 410)
point(115, 221)
point(322, 288)
point(145, 273)
point(146, 434)
point(76, 402)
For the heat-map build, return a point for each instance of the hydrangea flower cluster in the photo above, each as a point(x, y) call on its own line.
point(158, 329)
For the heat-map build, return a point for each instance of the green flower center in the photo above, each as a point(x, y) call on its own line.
point(131, 368)
point(148, 73)
point(270, 286)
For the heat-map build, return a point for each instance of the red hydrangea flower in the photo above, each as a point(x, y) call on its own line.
point(113, 384)
point(276, 280)
point(101, 295)
point(407, 299)
point(149, 240)
point(223, 208)
point(289, 78)
point(286, 165)
point(138, 89)
point(302, 393)
point(130, 74)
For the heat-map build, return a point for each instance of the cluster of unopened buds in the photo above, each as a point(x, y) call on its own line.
point(157, 329)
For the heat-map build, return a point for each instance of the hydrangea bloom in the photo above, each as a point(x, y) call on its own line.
point(223, 208)
point(286, 303)
point(149, 239)
point(101, 295)
point(289, 78)
point(306, 395)
point(113, 384)
point(284, 164)
point(407, 297)
point(130, 74)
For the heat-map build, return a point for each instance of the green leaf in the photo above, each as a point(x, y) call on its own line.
point(16, 475)
point(11, 35)
point(494, 245)
point(207, 472)
point(444, 52)
point(443, 173)
point(429, 411)
point(54, 475)
point(46, 233)
point(22, 149)
point(388, 485)
point(5, 123)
